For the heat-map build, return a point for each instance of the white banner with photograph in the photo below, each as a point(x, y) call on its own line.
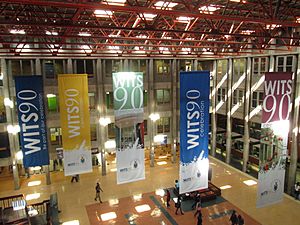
point(129, 123)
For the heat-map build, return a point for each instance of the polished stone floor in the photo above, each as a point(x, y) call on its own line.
point(76, 200)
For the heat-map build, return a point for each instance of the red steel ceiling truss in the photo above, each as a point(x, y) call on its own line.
point(213, 28)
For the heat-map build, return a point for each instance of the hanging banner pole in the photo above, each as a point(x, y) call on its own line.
point(32, 120)
point(274, 137)
point(75, 123)
point(194, 129)
point(129, 122)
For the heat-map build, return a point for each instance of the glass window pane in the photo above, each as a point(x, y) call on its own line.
point(92, 101)
point(93, 132)
point(89, 67)
point(80, 66)
point(49, 69)
point(2, 110)
point(26, 67)
point(15, 67)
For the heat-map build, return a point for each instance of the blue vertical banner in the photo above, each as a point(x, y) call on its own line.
point(32, 120)
point(194, 128)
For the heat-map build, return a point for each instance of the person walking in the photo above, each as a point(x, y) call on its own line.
point(198, 207)
point(240, 220)
point(168, 198)
point(199, 218)
point(178, 205)
point(98, 189)
point(233, 218)
point(297, 190)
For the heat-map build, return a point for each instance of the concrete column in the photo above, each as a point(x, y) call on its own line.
point(151, 110)
point(174, 110)
point(272, 64)
point(126, 65)
point(101, 131)
point(295, 132)
point(10, 120)
point(38, 67)
point(69, 66)
point(228, 110)
point(195, 65)
point(247, 95)
point(213, 94)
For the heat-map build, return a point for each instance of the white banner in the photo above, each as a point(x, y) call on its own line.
point(129, 123)
point(274, 138)
point(130, 165)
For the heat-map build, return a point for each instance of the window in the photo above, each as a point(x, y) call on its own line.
point(85, 66)
point(260, 65)
point(260, 98)
point(239, 67)
point(55, 136)
point(2, 110)
point(162, 67)
point(91, 101)
point(52, 68)
point(235, 97)
point(254, 99)
point(162, 96)
point(221, 94)
point(205, 65)
point(222, 67)
point(111, 131)
point(22, 67)
point(185, 65)
point(112, 66)
point(163, 125)
point(241, 95)
point(93, 132)
point(285, 63)
point(109, 99)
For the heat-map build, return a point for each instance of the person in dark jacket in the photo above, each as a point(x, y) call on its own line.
point(168, 195)
point(199, 218)
point(98, 189)
point(233, 218)
point(240, 220)
point(178, 205)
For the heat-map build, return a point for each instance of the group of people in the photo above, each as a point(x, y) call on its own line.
point(196, 206)
point(236, 219)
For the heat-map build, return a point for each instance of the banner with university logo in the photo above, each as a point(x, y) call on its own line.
point(274, 137)
point(32, 120)
point(75, 123)
point(129, 123)
point(194, 129)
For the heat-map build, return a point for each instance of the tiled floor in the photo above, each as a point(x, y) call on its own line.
point(75, 198)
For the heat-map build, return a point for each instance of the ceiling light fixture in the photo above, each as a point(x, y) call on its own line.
point(165, 5)
point(209, 9)
point(116, 2)
point(184, 19)
point(84, 34)
point(14, 31)
point(103, 13)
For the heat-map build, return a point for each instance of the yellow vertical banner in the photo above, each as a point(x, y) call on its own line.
point(75, 123)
